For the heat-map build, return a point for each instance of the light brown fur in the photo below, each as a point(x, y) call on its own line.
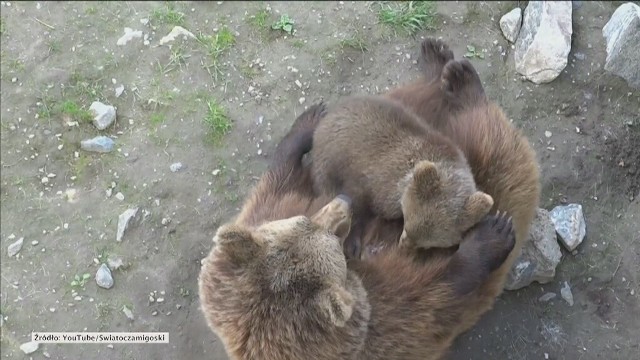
point(279, 287)
point(395, 166)
point(451, 98)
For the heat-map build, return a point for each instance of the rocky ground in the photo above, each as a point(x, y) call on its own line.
point(197, 120)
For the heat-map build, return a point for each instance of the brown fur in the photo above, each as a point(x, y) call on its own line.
point(451, 99)
point(395, 166)
point(279, 287)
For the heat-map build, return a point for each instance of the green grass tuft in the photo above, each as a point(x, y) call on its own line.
point(215, 47)
point(217, 121)
point(408, 16)
point(354, 42)
point(259, 20)
point(157, 118)
point(167, 15)
point(73, 110)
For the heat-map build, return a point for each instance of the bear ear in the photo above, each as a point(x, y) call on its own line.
point(337, 304)
point(477, 206)
point(335, 217)
point(237, 242)
point(426, 179)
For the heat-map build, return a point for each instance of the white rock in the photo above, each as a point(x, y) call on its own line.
point(540, 255)
point(566, 293)
point(119, 90)
point(622, 33)
point(544, 42)
point(510, 24)
point(570, 224)
point(129, 34)
point(175, 167)
point(128, 313)
point(15, 248)
point(29, 347)
point(302, 100)
point(123, 222)
point(104, 115)
point(175, 32)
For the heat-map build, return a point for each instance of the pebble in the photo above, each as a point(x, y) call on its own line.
point(175, 167)
point(129, 34)
point(35, 242)
point(100, 144)
point(103, 277)
point(546, 297)
point(301, 100)
point(29, 347)
point(566, 294)
point(123, 222)
point(15, 248)
point(120, 196)
point(119, 90)
point(570, 224)
point(128, 313)
point(104, 115)
point(547, 134)
point(215, 172)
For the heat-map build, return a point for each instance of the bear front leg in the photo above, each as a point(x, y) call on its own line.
point(483, 249)
point(461, 83)
point(434, 54)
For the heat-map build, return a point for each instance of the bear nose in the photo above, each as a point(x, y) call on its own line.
point(345, 198)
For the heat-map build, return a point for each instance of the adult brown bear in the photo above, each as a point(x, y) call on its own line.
point(276, 284)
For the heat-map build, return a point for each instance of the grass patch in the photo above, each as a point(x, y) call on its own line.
point(215, 47)
point(157, 119)
point(298, 44)
point(217, 121)
point(167, 15)
point(407, 16)
point(260, 19)
point(354, 42)
point(73, 110)
point(285, 23)
point(91, 10)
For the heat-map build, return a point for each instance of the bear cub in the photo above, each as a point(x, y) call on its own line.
point(395, 166)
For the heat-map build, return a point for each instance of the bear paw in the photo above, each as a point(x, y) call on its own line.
point(434, 55)
point(460, 80)
point(491, 240)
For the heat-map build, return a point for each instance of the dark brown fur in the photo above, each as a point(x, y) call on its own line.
point(451, 98)
point(277, 286)
point(395, 166)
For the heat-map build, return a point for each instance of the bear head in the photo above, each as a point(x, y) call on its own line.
point(439, 203)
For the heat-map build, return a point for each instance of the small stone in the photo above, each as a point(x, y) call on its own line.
point(547, 134)
point(103, 277)
point(154, 313)
point(14, 79)
point(29, 347)
point(175, 32)
point(623, 43)
point(301, 100)
point(215, 172)
point(123, 222)
point(35, 242)
point(160, 300)
point(540, 255)
point(166, 221)
point(570, 224)
point(566, 294)
point(129, 34)
point(45, 180)
point(104, 115)
point(77, 298)
point(15, 248)
point(544, 42)
point(510, 24)
point(298, 83)
point(175, 167)
point(119, 90)
point(101, 144)
point(120, 196)
point(546, 297)
point(128, 313)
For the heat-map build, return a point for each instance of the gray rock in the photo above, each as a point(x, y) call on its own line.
point(570, 225)
point(175, 167)
point(128, 313)
point(544, 41)
point(123, 222)
point(104, 115)
point(29, 347)
point(510, 24)
point(103, 277)
point(622, 33)
point(101, 144)
point(119, 90)
point(540, 255)
point(566, 293)
point(15, 247)
point(547, 297)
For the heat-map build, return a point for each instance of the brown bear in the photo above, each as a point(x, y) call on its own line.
point(279, 287)
point(450, 97)
point(395, 166)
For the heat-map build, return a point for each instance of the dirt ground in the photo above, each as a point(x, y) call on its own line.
point(218, 104)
